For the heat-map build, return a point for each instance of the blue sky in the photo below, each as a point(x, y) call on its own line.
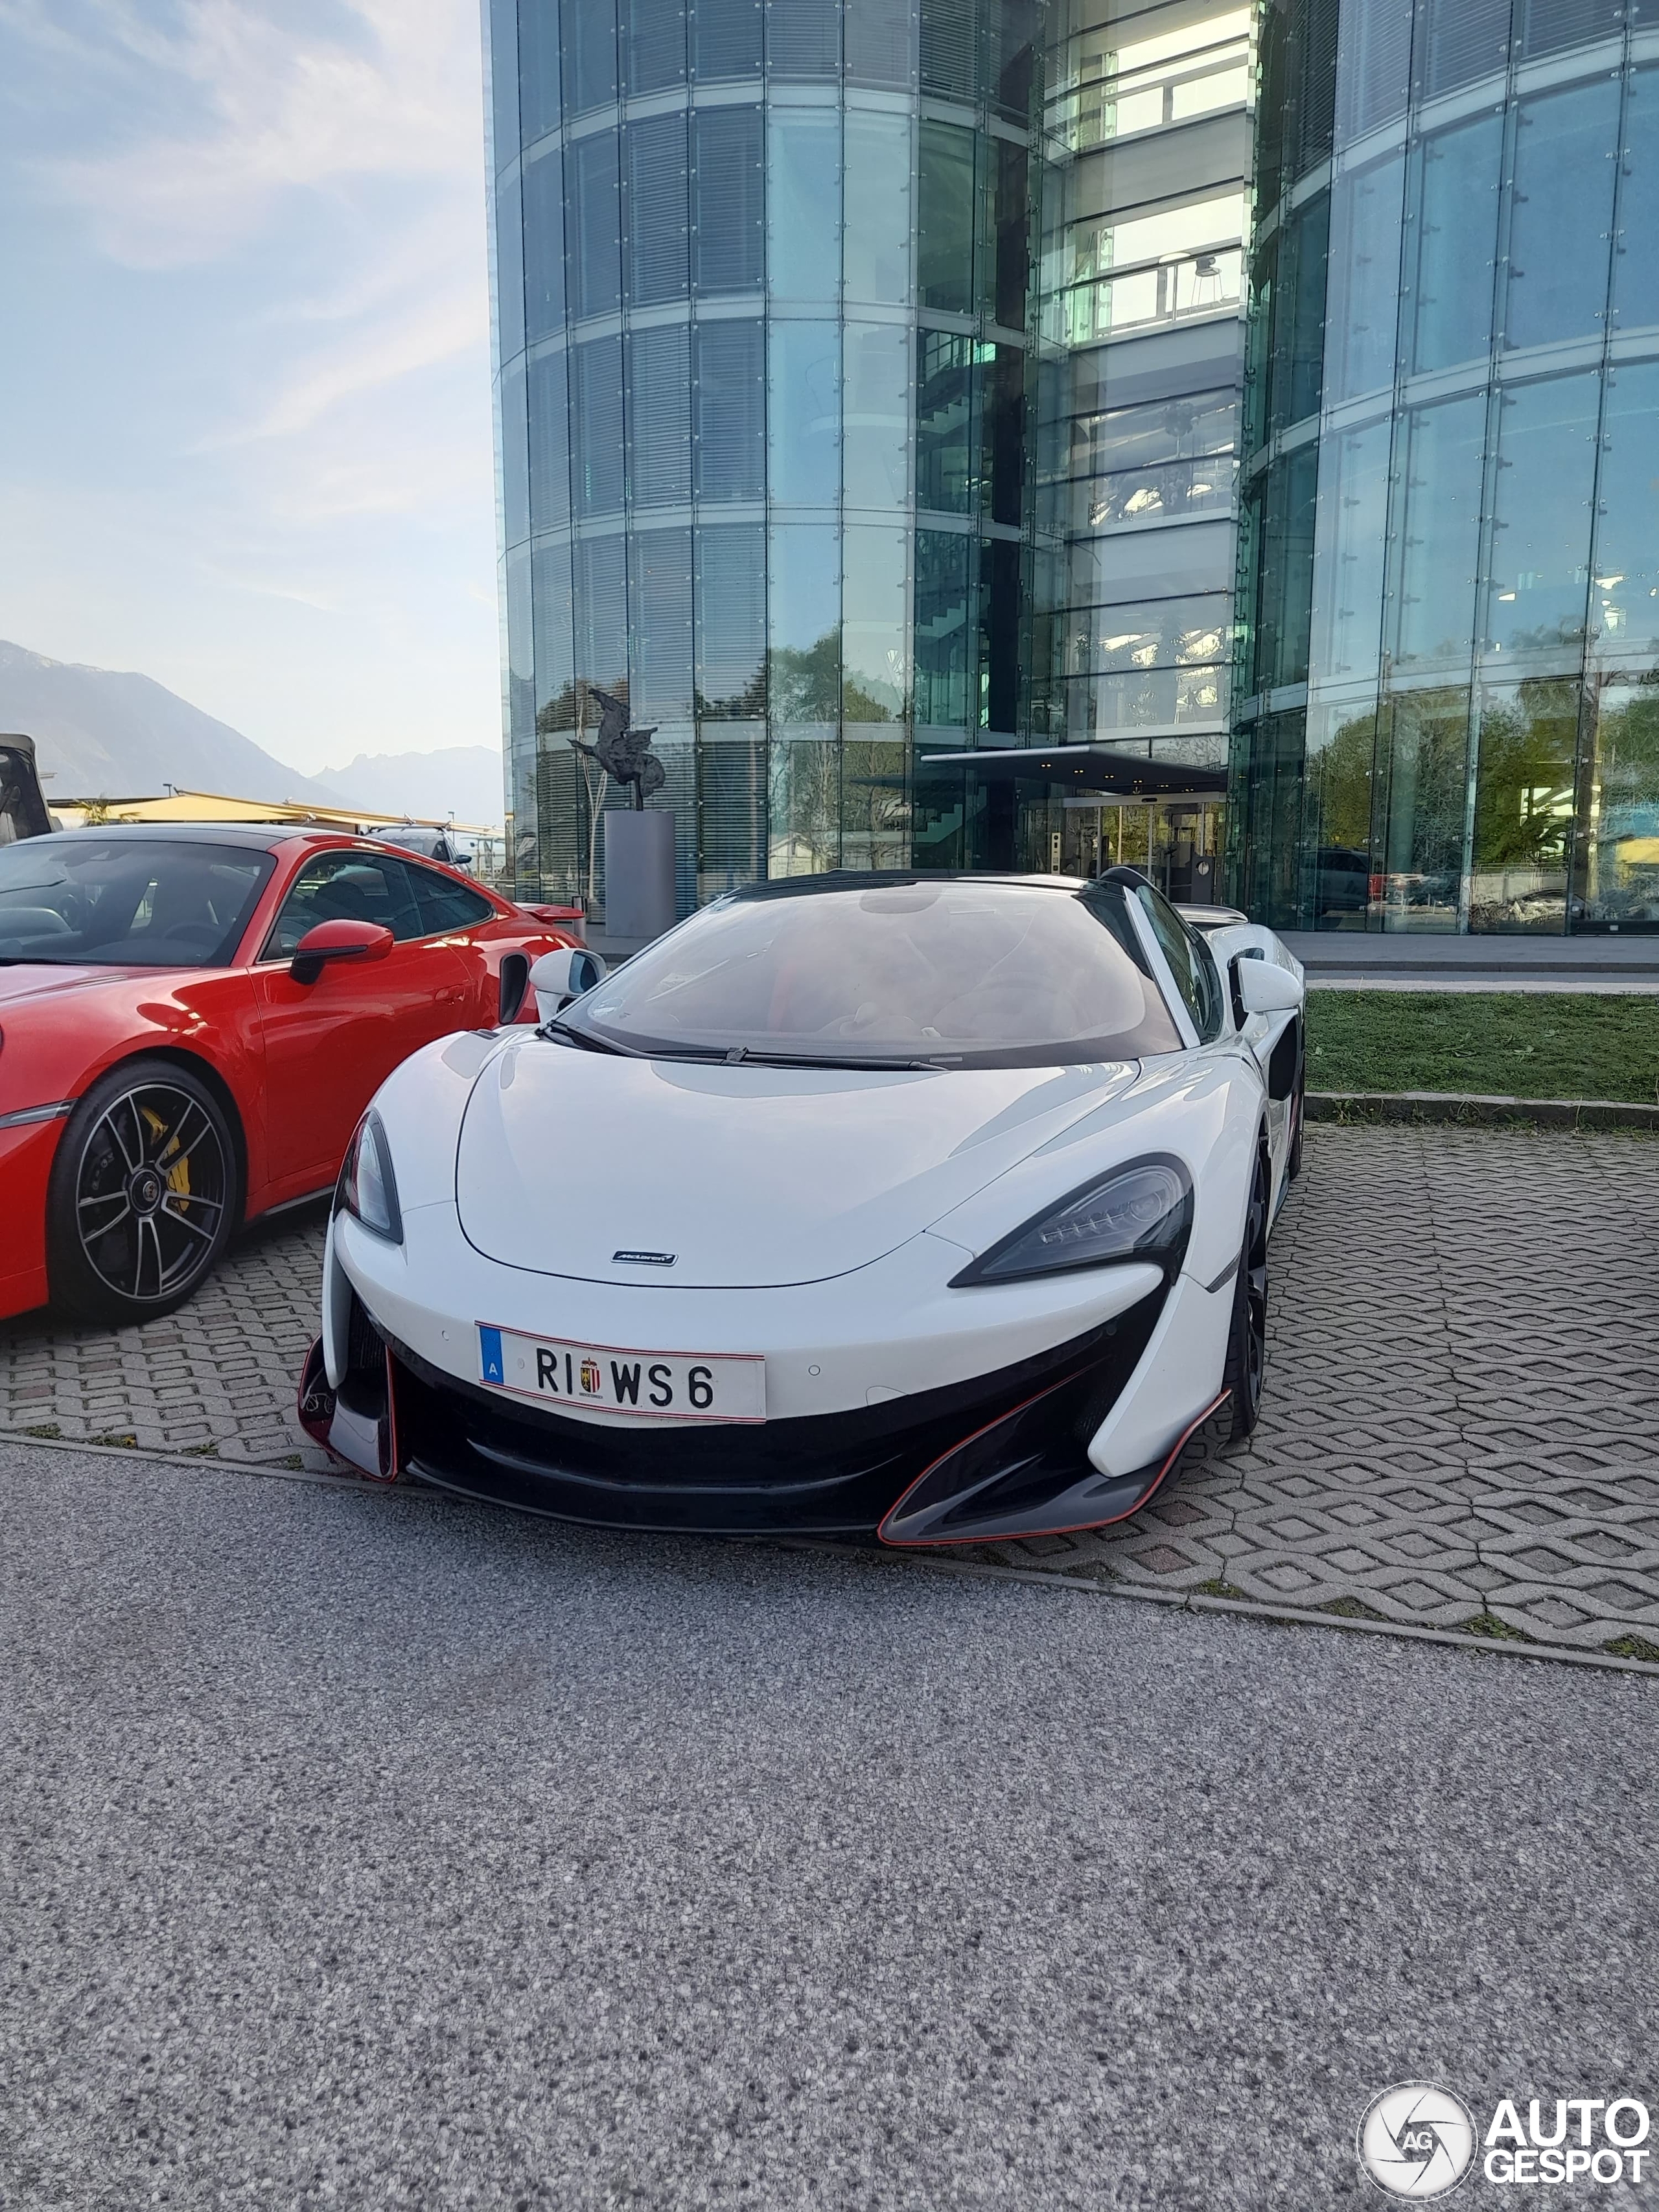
point(244, 427)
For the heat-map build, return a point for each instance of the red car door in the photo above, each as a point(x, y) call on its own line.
point(329, 1045)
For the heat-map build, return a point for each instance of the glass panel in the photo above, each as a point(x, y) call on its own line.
point(1299, 314)
point(544, 247)
point(1424, 760)
point(726, 38)
point(538, 66)
point(1459, 42)
point(1132, 564)
point(802, 204)
point(1558, 240)
point(1336, 816)
point(1002, 422)
point(1364, 279)
point(555, 644)
point(549, 443)
point(1636, 264)
point(803, 38)
point(1523, 805)
point(659, 260)
point(659, 416)
point(1620, 887)
point(728, 233)
point(601, 613)
point(947, 478)
point(1624, 610)
point(1438, 465)
point(1541, 532)
point(1373, 66)
point(804, 625)
point(1544, 26)
point(1157, 634)
point(503, 18)
point(1000, 603)
point(653, 38)
point(881, 42)
point(875, 625)
point(878, 209)
point(875, 463)
point(1285, 586)
point(804, 805)
point(1143, 495)
point(589, 28)
point(659, 598)
point(1351, 540)
point(1010, 221)
point(1149, 699)
point(875, 813)
point(1205, 422)
point(944, 219)
point(803, 413)
point(515, 456)
point(1451, 240)
point(731, 622)
point(596, 425)
point(1012, 30)
point(942, 633)
point(948, 49)
point(509, 270)
point(595, 227)
point(730, 405)
point(732, 811)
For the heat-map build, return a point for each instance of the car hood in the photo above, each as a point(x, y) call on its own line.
point(749, 1176)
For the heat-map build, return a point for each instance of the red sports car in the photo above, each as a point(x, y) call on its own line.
point(192, 1019)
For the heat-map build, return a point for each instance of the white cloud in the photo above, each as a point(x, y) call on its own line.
point(265, 109)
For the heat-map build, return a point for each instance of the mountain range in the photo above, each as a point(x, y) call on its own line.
point(105, 733)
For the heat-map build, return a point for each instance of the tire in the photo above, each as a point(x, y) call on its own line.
point(1298, 1115)
point(143, 1195)
point(1247, 1336)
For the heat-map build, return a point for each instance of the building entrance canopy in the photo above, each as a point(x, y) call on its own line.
point(1094, 770)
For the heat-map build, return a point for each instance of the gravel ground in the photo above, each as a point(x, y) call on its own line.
point(372, 1851)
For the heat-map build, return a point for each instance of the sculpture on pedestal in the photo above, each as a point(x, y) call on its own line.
point(625, 754)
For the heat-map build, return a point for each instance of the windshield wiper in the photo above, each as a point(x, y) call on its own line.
point(584, 1040)
point(743, 1055)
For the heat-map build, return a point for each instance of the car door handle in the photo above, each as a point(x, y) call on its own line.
point(450, 995)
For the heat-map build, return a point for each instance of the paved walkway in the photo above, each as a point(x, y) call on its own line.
point(1464, 1394)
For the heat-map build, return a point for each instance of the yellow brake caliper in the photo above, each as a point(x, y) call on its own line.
point(178, 1175)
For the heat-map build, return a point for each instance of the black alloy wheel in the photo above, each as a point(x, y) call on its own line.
point(143, 1194)
point(1246, 1338)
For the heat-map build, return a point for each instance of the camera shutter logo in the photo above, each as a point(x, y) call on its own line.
point(1417, 2141)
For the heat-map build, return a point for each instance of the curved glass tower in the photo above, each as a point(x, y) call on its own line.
point(1449, 559)
point(763, 279)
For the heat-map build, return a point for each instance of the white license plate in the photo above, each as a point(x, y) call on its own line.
point(654, 1386)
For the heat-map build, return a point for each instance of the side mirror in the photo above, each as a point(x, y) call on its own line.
point(1264, 987)
point(559, 977)
point(338, 940)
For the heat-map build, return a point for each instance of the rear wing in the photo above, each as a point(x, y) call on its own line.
point(22, 803)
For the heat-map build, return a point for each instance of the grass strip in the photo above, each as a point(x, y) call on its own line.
point(1512, 1044)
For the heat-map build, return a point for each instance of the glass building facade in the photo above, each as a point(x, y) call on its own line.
point(1448, 637)
point(978, 434)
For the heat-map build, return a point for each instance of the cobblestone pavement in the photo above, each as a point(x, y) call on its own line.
point(1459, 1424)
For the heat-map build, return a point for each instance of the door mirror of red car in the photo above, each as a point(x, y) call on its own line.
point(338, 940)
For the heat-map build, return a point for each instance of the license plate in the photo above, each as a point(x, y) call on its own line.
point(651, 1386)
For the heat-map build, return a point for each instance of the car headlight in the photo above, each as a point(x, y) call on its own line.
point(1142, 1212)
point(368, 1189)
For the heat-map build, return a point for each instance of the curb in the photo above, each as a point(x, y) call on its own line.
point(1478, 1111)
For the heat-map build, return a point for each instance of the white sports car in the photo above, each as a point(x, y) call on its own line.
point(934, 1207)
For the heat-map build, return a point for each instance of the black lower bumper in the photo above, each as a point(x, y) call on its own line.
point(1002, 1455)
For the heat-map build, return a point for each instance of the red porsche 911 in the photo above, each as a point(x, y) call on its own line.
point(193, 1017)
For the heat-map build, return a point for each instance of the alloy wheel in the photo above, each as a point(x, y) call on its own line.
point(150, 1193)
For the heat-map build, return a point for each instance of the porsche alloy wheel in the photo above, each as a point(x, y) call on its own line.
point(1247, 1343)
point(144, 1193)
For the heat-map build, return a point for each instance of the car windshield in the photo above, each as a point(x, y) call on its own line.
point(80, 898)
point(961, 973)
